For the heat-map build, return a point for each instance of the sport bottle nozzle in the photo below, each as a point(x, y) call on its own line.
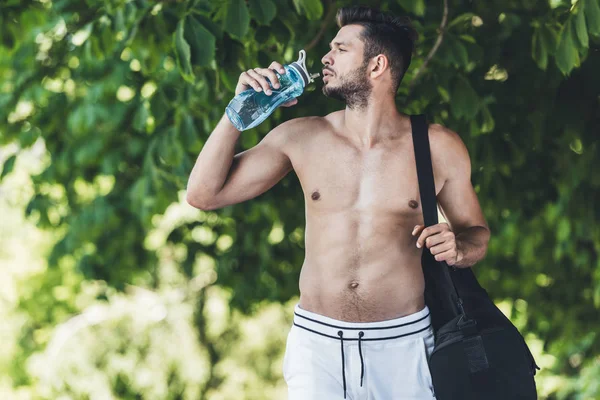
point(300, 66)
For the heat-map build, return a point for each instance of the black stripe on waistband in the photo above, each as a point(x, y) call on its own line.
point(363, 338)
point(362, 329)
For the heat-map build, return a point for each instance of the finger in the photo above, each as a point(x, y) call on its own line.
point(290, 103)
point(429, 231)
point(434, 240)
point(417, 230)
point(272, 76)
point(426, 233)
point(442, 247)
point(248, 80)
point(278, 67)
point(448, 256)
point(261, 80)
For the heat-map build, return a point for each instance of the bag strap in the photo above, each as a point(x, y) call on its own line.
point(420, 136)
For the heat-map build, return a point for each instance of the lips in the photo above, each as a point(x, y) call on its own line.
point(327, 73)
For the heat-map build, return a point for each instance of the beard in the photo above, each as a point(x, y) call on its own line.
point(354, 88)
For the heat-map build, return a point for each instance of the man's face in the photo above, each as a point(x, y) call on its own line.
point(344, 71)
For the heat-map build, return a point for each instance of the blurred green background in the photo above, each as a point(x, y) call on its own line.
point(112, 287)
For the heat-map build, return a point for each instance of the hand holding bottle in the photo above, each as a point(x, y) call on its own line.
point(261, 90)
point(256, 79)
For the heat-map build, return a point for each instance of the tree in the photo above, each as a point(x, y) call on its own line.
point(124, 94)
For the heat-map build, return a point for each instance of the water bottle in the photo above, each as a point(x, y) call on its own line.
point(250, 108)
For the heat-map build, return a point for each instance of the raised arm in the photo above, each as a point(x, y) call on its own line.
point(251, 172)
point(219, 178)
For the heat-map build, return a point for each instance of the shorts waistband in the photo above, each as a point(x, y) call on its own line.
point(408, 325)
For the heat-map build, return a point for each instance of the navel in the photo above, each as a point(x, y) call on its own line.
point(315, 196)
point(413, 204)
point(353, 285)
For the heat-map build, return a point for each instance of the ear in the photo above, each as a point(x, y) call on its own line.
point(378, 65)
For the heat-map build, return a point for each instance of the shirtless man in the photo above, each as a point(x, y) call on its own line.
point(361, 327)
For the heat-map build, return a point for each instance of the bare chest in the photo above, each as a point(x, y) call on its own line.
point(336, 177)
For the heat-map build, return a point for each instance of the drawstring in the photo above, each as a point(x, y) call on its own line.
point(341, 335)
point(362, 364)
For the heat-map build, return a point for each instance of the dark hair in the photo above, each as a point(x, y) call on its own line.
point(383, 34)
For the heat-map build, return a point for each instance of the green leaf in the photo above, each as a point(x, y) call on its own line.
point(204, 6)
point(29, 137)
point(282, 32)
point(140, 118)
point(202, 42)
point(580, 29)
point(263, 11)
point(106, 40)
point(462, 19)
point(87, 153)
point(567, 56)
point(563, 230)
point(488, 120)
point(237, 18)
point(416, 7)
point(262, 34)
point(209, 24)
point(592, 16)
point(549, 38)
point(81, 120)
point(169, 150)
point(9, 164)
point(443, 93)
point(420, 8)
point(183, 53)
point(189, 135)
point(538, 50)
point(119, 20)
point(465, 100)
point(457, 50)
point(313, 9)
point(298, 6)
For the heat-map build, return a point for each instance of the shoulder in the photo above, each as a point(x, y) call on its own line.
point(293, 133)
point(314, 124)
point(299, 129)
point(448, 150)
point(445, 138)
point(293, 128)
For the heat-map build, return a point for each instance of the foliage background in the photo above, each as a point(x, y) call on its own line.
point(113, 287)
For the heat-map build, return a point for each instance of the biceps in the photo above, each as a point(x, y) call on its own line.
point(252, 173)
point(460, 205)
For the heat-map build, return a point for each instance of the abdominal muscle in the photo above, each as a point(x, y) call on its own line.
point(359, 271)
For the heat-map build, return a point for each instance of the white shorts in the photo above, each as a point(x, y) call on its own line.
point(327, 359)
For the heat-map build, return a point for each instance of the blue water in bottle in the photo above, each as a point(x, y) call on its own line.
point(249, 108)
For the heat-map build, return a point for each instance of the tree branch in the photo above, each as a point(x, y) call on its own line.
point(434, 49)
point(324, 25)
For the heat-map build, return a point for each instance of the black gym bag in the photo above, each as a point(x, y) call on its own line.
point(478, 354)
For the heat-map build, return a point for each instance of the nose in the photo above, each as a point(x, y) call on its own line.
point(327, 59)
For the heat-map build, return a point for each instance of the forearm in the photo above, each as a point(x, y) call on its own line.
point(213, 163)
point(472, 245)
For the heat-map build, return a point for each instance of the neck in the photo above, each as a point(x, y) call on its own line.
point(376, 122)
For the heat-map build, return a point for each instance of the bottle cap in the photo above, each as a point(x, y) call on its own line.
point(300, 67)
